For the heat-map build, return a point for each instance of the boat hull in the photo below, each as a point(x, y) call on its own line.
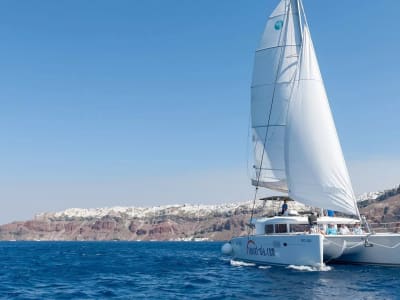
point(380, 249)
point(288, 249)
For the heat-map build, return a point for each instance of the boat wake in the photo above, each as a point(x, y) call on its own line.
point(237, 263)
point(320, 268)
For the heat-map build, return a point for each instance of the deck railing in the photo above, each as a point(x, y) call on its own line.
point(385, 227)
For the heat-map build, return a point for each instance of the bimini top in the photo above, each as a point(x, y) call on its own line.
point(304, 220)
point(276, 198)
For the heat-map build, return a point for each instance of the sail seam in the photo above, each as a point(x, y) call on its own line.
point(267, 177)
point(285, 82)
point(271, 169)
point(270, 125)
point(275, 47)
point(309, 79)
point(267, 84)
point(280, 15)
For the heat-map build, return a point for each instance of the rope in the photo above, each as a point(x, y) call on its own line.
point(384, 246)
point(363, 243)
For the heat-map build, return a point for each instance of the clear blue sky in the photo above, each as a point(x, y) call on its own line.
point(146, 102)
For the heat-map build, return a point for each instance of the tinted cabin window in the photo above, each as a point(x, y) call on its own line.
point(269, 229)
point(280, 228)
point(298, 228)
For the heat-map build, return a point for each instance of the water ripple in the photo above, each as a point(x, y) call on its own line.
point(170, 270)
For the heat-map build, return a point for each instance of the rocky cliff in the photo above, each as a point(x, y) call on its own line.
point(173, 222)
point(384, 208)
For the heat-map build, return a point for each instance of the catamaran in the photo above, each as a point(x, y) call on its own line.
point(297, 152)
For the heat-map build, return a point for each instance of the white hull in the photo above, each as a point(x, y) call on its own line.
point(381, 249)
point(314, 249)
point(285, 249)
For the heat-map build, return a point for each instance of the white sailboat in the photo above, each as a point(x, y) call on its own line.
point(297, 152)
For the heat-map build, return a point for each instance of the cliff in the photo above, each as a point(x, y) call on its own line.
point(384, 208)
point(173, 222)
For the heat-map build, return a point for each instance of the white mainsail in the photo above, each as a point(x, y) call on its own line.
point(315, 165)
point(274, 71)
point(295, 140)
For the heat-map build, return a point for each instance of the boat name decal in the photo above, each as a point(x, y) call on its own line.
point(253, 249)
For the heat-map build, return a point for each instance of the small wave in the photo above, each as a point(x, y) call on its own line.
point(264, 267)
point(224, 258)
point(320, 268)
point(237, 263)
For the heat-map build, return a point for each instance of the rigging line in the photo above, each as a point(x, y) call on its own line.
point(248, 146)
point(270, 110)
point(363, 242)
point(347, 247)
point(384, 246)
point(304, 14)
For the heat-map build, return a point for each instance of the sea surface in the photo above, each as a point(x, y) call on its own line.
point(174, 270)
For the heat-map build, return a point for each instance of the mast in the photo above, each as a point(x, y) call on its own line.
point(299, 16)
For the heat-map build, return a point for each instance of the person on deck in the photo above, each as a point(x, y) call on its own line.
point(331, 230)
point(357, 229)
point(284, 208)
point(343, 229)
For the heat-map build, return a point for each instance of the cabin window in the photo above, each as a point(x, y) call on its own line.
point(298, 227)
point(269, 228)
point(280, 228)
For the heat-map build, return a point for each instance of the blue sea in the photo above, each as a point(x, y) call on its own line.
point(174, 270)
